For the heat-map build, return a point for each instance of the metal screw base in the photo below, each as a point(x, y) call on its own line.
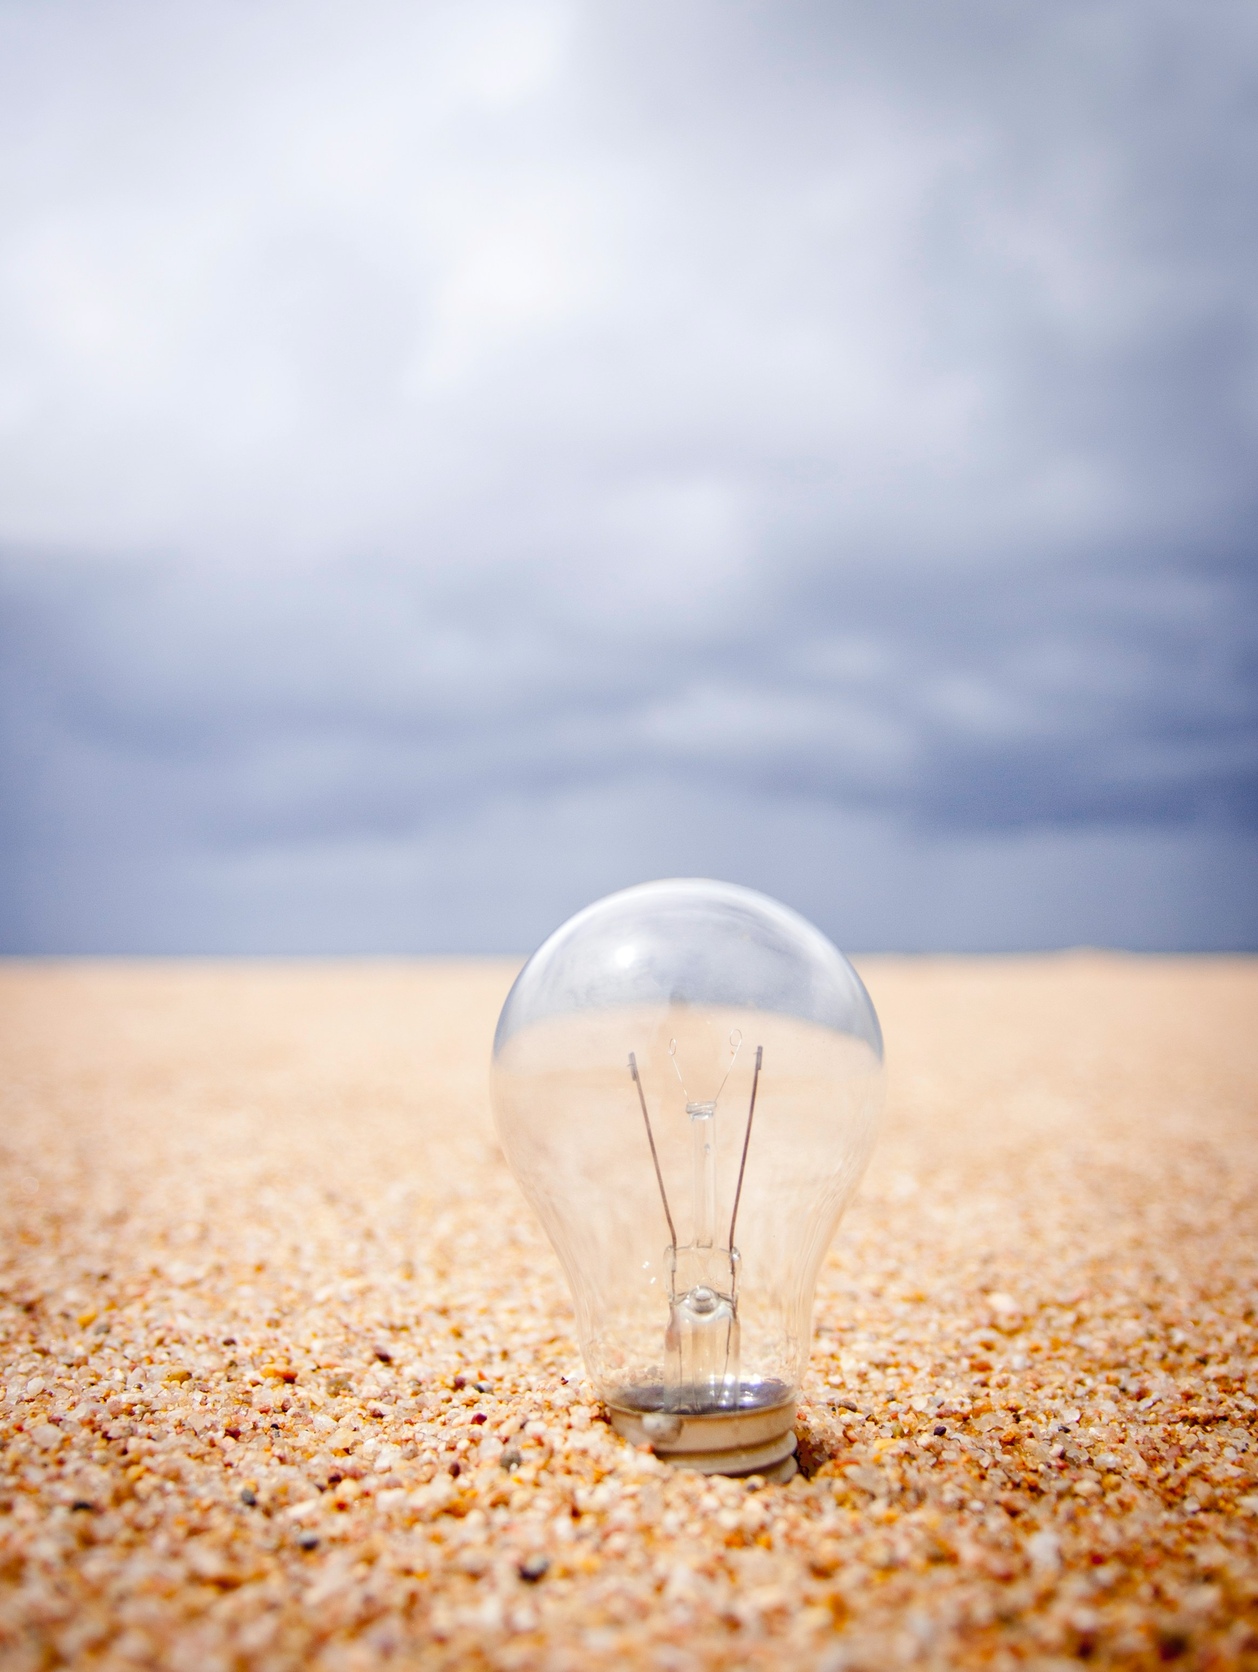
point(723, 1443)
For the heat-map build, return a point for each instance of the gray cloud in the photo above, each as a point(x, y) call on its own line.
point(454, 459)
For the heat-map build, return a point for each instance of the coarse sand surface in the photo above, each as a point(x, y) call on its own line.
point(289, 1379)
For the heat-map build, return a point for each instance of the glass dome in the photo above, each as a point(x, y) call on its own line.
point(686, 1081)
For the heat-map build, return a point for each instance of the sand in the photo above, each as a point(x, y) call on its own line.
point(288, 1377)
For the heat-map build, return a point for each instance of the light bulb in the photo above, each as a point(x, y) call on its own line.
point(686, 1080)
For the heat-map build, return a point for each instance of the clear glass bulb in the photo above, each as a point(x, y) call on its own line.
point(687, 1077)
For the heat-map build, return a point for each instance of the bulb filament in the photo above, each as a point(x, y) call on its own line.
point(650, 1137)
point(702, 1339)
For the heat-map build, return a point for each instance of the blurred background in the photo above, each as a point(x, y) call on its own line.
point(456, 460)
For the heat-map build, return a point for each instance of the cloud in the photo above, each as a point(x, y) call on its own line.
point(428, 432)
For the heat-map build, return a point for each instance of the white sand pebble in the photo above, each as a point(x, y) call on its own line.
point(305, 1510)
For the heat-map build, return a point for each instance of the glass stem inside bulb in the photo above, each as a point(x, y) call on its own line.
point(704, 1336)
point(703, 1137)
point(703, 1330)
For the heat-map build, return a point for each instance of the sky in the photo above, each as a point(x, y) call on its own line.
point(457, 460)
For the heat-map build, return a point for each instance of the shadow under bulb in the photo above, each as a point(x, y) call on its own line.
point(687, 1078)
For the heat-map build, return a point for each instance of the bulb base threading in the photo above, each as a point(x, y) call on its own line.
point(754, 1442)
